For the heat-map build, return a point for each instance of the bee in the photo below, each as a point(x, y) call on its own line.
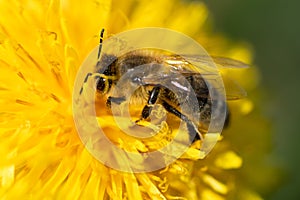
point(111, 68)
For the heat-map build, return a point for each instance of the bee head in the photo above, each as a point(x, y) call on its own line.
point(106, 67)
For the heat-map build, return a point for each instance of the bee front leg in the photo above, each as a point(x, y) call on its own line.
point(150, 103)
point(192, 128)
point(84, 82)
point(117, 100)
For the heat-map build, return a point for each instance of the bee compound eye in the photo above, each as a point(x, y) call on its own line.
point(101, 84)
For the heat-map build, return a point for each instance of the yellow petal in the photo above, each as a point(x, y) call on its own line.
point(216, 185)
point(228, 160)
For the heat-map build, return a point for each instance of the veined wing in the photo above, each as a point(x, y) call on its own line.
point(203, 63)
point(232, 89)
point(223, 62)
point(189, 65)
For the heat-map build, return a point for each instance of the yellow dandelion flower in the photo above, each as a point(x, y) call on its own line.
point(42, 46)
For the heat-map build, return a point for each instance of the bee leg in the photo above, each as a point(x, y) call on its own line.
point(84, 82)
point(192, 128)
point(117, 100)
point(153, 96)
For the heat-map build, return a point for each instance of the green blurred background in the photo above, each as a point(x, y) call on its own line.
point(273, 28)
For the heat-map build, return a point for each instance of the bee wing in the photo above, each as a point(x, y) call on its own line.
point(205, 61)
point(223, 62)
point(191, 64)
point(233, 90)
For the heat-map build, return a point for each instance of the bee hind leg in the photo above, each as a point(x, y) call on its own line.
point(194, 133)
point(153, 96)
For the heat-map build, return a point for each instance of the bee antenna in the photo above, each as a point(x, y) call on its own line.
point(100, 44)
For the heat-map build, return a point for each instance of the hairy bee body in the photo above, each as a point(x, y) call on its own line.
point(152, 62)
point(149, 69)
point(189, 86)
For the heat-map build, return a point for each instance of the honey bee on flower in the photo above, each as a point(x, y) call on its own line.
point(155, 66)
point(187, 86)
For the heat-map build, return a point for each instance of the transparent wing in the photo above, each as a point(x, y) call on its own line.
point(233, 90)
point(223, 62)
point(203, 65)
point(204, 62)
